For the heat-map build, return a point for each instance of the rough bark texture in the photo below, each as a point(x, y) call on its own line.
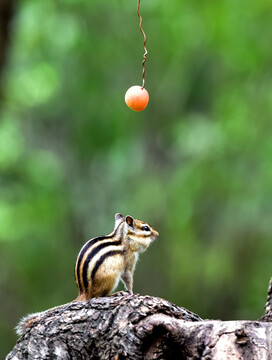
point(138, 327)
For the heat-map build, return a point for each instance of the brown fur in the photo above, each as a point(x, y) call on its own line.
point(128, 238)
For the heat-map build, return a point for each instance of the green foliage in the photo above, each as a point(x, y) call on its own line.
point(196, 163)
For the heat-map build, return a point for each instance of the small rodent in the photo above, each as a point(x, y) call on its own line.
point(104, 260)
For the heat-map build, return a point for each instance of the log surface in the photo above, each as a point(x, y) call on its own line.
point(138, 327)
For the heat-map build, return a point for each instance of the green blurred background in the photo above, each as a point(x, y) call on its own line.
point(196, 164)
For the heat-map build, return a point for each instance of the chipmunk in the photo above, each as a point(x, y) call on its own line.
point(102, 261)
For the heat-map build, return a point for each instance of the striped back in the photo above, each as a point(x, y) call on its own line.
point(92, 255)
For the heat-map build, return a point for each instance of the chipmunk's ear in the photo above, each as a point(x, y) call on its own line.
point(130, 221)
point(118, 218)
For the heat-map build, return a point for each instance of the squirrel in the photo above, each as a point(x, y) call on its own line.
point(104, 260)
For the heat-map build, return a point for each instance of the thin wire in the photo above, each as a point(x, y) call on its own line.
point(145, 49)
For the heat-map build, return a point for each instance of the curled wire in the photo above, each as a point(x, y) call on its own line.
point(145, 49)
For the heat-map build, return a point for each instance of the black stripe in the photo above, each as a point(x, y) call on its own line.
point(92, 253)
point(83, 251)
point(102, 259)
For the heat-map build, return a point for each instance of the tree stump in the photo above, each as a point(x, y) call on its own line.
point(125, 326)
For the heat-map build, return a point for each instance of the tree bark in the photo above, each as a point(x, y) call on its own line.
point(138, 327)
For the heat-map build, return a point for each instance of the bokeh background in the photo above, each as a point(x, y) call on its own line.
point(196, 164)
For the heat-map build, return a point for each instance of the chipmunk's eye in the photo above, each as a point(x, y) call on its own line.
point(146, 228)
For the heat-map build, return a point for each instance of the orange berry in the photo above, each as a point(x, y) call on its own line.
point(137, 98)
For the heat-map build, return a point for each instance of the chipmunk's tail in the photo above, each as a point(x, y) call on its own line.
point(25, 323)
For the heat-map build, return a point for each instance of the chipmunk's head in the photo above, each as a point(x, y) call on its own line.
point(138, 233)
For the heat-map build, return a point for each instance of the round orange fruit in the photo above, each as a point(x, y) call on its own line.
point(137, 98)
